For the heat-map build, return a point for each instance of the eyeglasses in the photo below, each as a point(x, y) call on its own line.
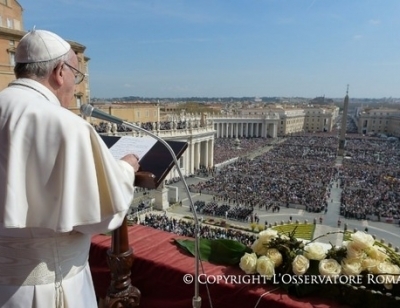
point(79, 76)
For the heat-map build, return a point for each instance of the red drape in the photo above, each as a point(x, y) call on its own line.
point(159, 268)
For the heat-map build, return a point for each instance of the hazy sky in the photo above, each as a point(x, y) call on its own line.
point(219, 48)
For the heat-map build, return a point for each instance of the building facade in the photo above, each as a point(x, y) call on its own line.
point(275, 121)
point(11, 32)
point(378, 121)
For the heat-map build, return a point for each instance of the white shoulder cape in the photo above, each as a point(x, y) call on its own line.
point(55, 171)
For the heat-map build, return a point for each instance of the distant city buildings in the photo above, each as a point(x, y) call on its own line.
point(378, 120)
point(232, 118)
point(297, 118)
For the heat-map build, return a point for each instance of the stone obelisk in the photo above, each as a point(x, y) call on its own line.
point(342, 138)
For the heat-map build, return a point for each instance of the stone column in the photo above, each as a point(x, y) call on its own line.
point(192, 162)
point(197, 155)
point(187, 162)
point(274, 130)
point(264, 126)
point(211, 153)
point(205, 153)
point(161, 198)
point(237, 130)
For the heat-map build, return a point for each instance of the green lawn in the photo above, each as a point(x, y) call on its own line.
point(304, 231)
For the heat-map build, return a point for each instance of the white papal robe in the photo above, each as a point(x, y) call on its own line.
point(59, 185)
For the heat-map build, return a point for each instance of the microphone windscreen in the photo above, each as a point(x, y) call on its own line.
point(86, 110)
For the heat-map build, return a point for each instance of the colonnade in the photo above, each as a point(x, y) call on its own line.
point(237, 128)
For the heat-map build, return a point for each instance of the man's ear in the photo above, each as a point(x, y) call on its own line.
point(58, 74)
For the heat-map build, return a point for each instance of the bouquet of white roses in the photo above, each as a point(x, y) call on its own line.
point(278, 253)
point(361, 265)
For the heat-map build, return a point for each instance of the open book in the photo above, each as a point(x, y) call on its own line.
point(154, 158)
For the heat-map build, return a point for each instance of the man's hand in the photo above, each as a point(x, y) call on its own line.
point(132, 160)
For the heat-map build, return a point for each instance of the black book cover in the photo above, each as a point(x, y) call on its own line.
point(158, 161)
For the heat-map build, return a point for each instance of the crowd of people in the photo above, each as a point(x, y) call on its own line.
point(299, 171)
point(296, 171)
point(228, 148)
point(213, 208)
point(371, 179)
point(187, 228)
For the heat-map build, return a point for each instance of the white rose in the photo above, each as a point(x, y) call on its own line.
point(329, 267)
point(259, 245)
point(377, 253)
point(259, 248)
point(275, 256)
point(388, 268)
point(351, 267)
point(362, 240)
point(369, 264)
point(315, 251)
point(266, 235)
point(354, 251)
point(265, 267)
point(248, 263)
point(300, 265)
point(284, 237)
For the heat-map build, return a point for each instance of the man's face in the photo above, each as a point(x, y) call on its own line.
point(67, 90)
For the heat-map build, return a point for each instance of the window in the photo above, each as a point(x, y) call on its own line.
point(9, 23)
point(12, 58)
point(17, 24)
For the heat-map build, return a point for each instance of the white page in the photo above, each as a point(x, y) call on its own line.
point(132, 145)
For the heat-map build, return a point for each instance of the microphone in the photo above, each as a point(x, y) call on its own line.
point(89, 111)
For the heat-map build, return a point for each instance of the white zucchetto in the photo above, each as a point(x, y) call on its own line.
point(40, 46)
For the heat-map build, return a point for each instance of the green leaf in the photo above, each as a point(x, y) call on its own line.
point(219, 251)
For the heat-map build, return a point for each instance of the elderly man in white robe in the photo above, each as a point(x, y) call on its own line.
point(59, 184)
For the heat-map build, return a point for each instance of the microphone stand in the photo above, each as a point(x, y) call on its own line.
point(89, 111)
point(196, 302)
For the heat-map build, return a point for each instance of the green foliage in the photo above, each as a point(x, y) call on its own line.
point(219, 251)
point(337, 253)
point(289, 246)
